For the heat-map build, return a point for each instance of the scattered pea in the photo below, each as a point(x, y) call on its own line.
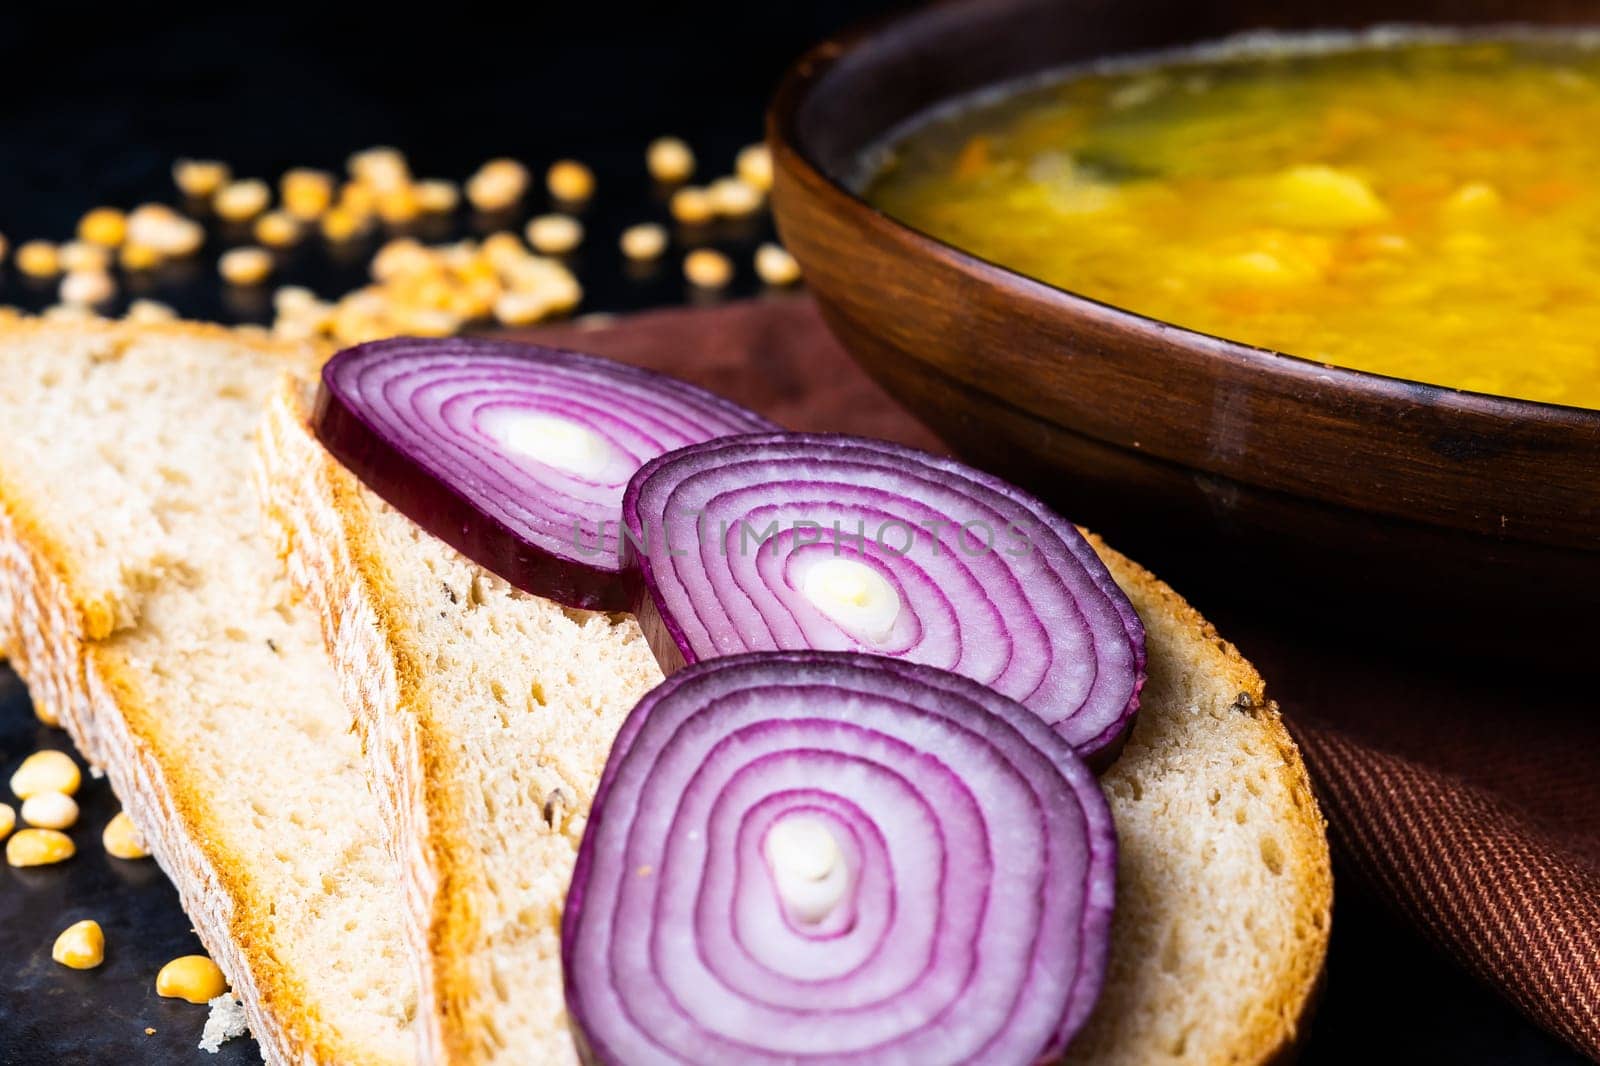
point(644, 241)
point(497, 185)
point(245, 266)
point(121, 838)
point(754, 165)
point(194, 978)
point(570, 181)
point(46, 771)
point(707, 269)
point(775, 266)
point(149, 312)
point(199, 179)
point(555, 234)
point(81, 946)
point(104, 226)
point(669, 160)
point(240, 201)
point(38, 259)
point(50, 810)
point(691, 206)
point(277, 229)
point(306, 193)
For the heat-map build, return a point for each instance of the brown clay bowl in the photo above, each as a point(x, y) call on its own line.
point(1369, 505)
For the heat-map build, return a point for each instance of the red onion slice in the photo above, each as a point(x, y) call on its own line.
point(841, 858)
point(878, 548)
point(515, 455)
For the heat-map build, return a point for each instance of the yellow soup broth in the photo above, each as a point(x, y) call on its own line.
point(1427, 210)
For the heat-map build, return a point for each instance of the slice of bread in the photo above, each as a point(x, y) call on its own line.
point(138, 600)
point(488, 713)
point(1224, 885)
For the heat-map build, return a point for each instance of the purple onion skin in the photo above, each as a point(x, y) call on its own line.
point(445, 512)
point(951, 697)
point(448, 516)
point(673, 649)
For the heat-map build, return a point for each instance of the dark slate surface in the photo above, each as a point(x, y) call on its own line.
point(1388, 997)
point(97, 106)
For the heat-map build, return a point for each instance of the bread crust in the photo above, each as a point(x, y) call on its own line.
point(314, 504)
point(310, 502)
point(57, 635)
point(1275, 1032)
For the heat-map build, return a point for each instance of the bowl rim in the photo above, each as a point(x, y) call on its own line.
point(784, 138)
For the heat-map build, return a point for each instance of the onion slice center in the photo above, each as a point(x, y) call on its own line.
point(788, 541)
point(798, 856)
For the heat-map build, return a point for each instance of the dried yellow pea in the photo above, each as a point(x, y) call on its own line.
point(277, 229)
point(691, 206)
point(81, 945)
point(240, 201)
point(754, 165)
point(194, 978)
point(497, 185)
point(46, 771)
point(200, 178)
point(570, 181)
point(38, 259)
point(104, 226)
point(245, 266)
point(381, 169)
point(341, 224)
point(150, 311)
point(39, 847)
point(437, 197)
point(521, 308)
point(306, 193)
point(707, 269)
point(83, 256)
point(644, 241)
point(294, 300)
point(138, 257)
point(775, 266)
point(398, 205)
point(87, 288)
point(555, 234)
point(50, 810)
point(733, 197)
point(669, 160)
point(159, 227)
point(121, 838)
point(399, 258)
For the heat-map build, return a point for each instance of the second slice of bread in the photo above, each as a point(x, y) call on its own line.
point(140, 603)
point(488, 714)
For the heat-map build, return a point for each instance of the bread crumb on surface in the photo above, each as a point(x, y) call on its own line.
point(225, 1022)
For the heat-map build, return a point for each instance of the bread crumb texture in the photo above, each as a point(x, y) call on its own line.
point(137, 580)
point(225, 1022)
point(488, 713)
point(520, 700)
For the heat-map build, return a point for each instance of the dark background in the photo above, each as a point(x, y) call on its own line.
point(95, 105)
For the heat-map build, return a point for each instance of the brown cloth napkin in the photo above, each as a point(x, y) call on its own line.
point(1466, 795)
